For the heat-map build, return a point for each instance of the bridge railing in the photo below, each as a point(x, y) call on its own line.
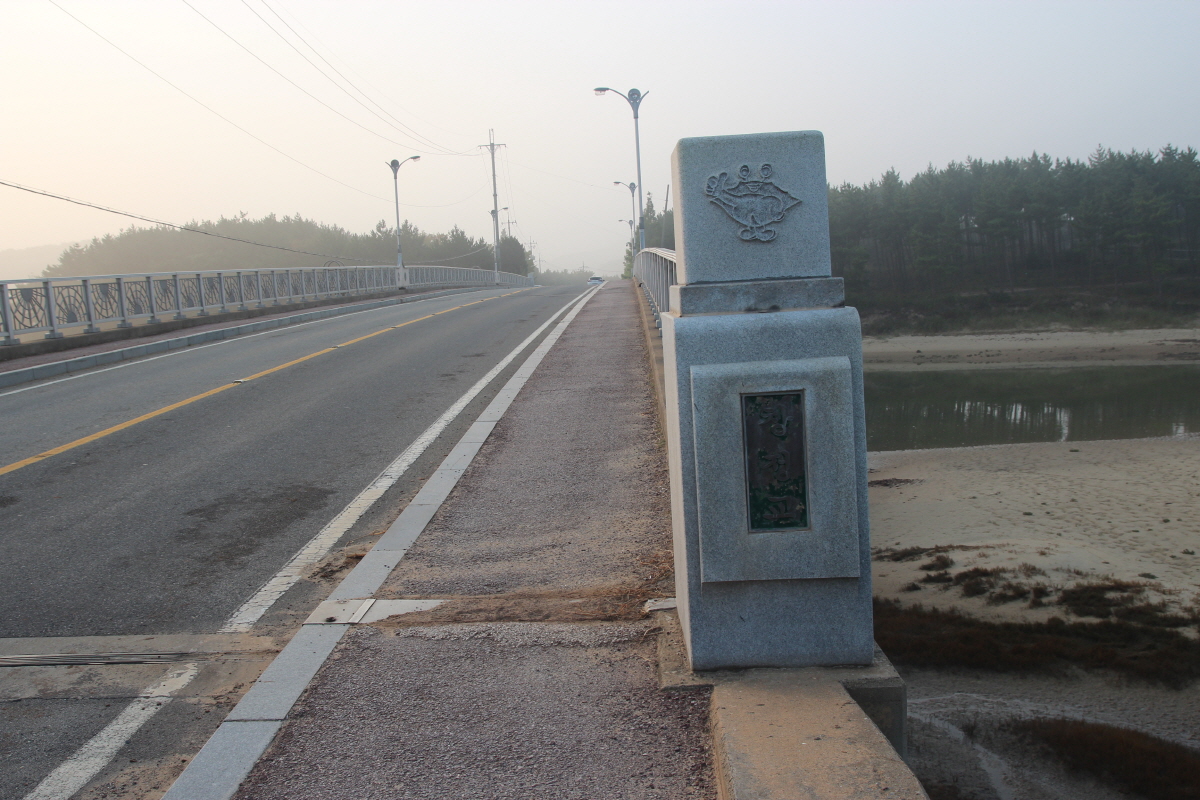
point(463, 276)
point(52, 305)
point(654, 270)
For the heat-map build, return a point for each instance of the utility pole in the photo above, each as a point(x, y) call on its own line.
point(491, 146)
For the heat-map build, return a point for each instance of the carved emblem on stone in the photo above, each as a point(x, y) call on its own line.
point(755, 203)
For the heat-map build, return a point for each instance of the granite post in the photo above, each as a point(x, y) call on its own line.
point(765, 424)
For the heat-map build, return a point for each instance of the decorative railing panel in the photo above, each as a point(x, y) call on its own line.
point(54, 304)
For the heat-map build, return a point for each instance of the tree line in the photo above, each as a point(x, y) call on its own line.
point(660, 232)
point(165, 249)
point(1114, 218)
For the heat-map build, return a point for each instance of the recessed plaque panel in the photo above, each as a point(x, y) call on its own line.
point(777, 477)
point(776, 467)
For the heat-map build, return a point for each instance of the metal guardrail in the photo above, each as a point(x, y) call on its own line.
point(654, 270)
point(51, 305)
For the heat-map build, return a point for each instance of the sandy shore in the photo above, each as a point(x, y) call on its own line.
point(1039, 349)
point(1050, 515)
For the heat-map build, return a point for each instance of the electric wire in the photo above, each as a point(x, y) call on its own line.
point(562, 177)
point(317, 53)
point(453, 258)
point(340, 88)
point(289, 80)
point(209, 108)
point(44, 193)
point(364, 79)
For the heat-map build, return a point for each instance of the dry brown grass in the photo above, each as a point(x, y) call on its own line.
point(589, 604)
point(1139, 763)
point(921, 637)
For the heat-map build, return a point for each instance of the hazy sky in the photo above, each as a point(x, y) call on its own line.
point(891, 84)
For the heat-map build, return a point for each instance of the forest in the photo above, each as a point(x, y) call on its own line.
point(1111, 240)
point(165, 249)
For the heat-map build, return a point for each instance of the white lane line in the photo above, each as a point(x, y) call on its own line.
point(74, 773)
point(216, 773)
point(193, 348)
point(253, 609)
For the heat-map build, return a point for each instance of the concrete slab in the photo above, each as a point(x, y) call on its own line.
point(366, 578)
point(408, 526)
point(382, 609)
point(782, 734)
point(345, 612)
point(282, 683)
point(224, 761)
point(478, 432)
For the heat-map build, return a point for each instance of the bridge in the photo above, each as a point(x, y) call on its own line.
point(56, 307)
point(219, 516)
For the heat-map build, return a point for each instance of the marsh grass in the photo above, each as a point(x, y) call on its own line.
point(1136, 762)
point(920, 637)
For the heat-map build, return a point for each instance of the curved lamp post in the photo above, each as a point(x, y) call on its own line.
point(634, 98)
point(395, 165)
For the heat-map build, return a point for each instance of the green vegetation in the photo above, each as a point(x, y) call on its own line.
point(1020, 243)
point(164, 249)
point(660, 232)
point(549, 277)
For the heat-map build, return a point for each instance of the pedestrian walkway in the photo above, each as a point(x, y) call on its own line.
point(537, 674)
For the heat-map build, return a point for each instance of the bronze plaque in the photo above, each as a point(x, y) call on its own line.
point(776, 486)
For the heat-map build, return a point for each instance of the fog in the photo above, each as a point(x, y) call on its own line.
point(891, 84)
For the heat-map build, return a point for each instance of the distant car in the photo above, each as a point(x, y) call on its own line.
point(595, 279)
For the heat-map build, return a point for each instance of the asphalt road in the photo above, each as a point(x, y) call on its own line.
point(167, 526)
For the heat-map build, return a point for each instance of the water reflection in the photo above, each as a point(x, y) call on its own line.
point(911, 410)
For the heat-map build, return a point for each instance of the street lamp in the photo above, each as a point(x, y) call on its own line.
point(395, 165)
point(632, 187)
point(632, 254)
point(634, 98)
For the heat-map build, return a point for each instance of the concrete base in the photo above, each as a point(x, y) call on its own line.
point(797, 619)
point(811, 732)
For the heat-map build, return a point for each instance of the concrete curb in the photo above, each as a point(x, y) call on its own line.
point(837, 733)
point(230, 754)
point(29, 374)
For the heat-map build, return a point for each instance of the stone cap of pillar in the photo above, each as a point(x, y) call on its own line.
point(751, 208)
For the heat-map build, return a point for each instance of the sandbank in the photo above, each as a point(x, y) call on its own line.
point(1032, 349)
point(1054, 514)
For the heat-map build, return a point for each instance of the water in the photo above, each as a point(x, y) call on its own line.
point(912, 410)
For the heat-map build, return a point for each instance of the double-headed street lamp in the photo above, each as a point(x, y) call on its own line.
point(395, 165)
point(634, 98)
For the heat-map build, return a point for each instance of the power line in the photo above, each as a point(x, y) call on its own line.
point(286, 78)
point(171, 224)
point(317, 53)
point(209, 108)
point(562, 177)
point(363, 78)
point(327, 77)
point(454, 258)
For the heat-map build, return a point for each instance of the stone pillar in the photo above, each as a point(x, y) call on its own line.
point(765, 424)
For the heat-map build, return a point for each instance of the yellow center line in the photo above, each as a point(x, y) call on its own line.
point(16, 465)
point(107, 431)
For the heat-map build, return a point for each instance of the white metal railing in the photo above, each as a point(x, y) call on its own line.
point(654, 270)
point(462, 276)
point(53, 305)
